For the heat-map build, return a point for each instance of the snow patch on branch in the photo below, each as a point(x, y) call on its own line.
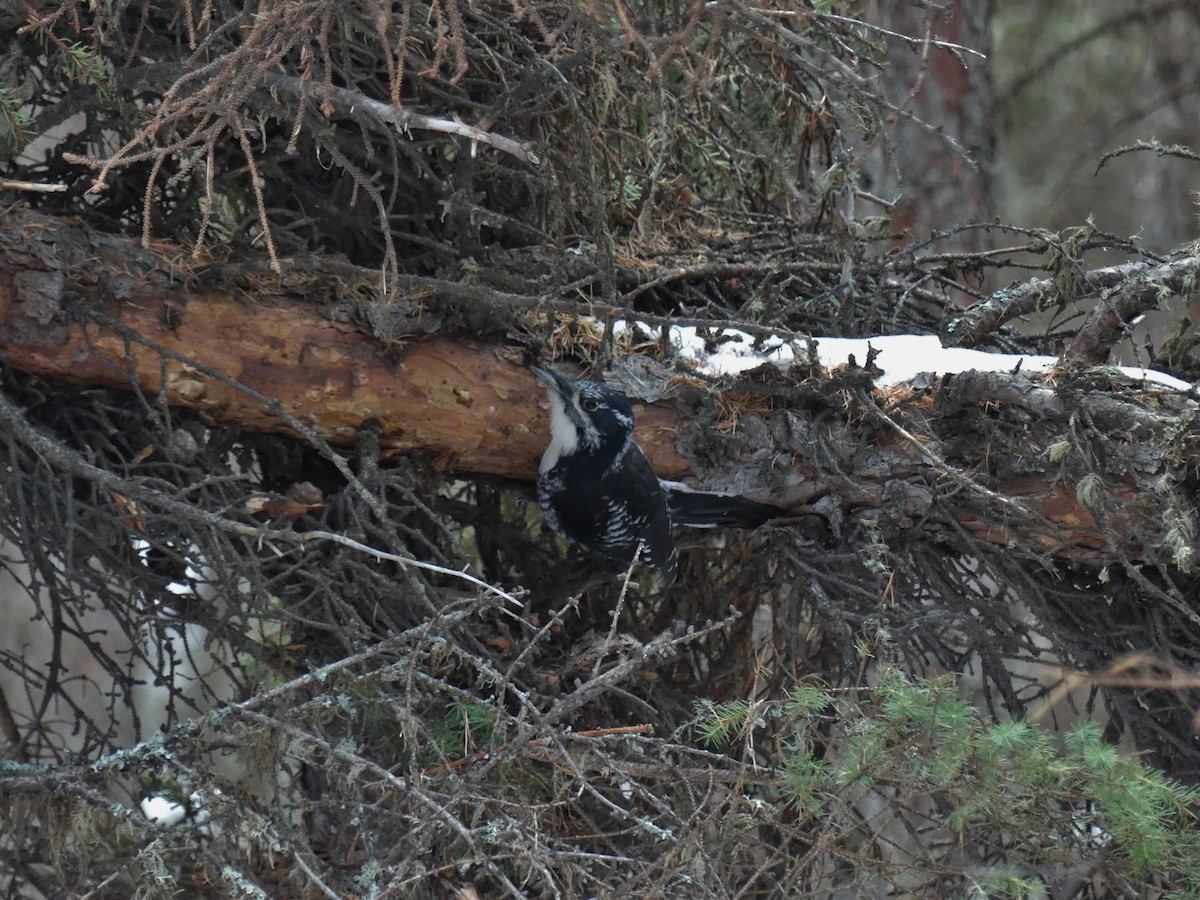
point(901, 357)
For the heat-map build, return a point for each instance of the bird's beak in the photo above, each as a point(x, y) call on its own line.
point(555, 382)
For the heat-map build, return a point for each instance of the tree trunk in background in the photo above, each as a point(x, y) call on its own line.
point(936, 184)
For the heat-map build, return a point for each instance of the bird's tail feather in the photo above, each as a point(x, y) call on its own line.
point(707, 509)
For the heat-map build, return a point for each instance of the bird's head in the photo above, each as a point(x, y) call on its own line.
point(585, 417)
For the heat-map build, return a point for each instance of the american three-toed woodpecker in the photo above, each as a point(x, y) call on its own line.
point(595, 486)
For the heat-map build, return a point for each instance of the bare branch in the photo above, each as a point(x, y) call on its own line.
point(352, 102)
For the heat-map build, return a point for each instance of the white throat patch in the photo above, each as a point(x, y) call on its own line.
point(563, 439)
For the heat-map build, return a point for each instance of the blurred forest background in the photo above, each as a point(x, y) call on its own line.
point(282, 620)
point(1076, 81)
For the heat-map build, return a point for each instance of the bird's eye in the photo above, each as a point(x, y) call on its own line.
point(590, 405)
